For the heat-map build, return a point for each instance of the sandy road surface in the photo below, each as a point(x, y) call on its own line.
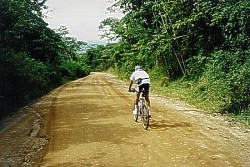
point(88, 122)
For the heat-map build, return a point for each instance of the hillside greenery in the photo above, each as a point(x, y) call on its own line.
point(34, 58)
point(198, 50)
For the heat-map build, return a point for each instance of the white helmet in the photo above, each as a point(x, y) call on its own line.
point(137, 68)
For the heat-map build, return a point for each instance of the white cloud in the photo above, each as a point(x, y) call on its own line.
point(81, 17)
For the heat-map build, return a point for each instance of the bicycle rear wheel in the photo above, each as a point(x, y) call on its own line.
point(145, 115)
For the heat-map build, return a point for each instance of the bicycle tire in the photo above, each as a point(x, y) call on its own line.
point(145, 115)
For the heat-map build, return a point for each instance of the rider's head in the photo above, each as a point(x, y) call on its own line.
point(137, 68)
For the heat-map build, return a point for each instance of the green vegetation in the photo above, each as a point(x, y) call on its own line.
point(198, 50)
point(34, 59)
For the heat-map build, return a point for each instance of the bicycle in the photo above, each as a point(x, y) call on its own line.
point(143, 110)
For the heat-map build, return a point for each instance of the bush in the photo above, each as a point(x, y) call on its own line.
point(22, 80)
point(225, 80)
point(73, 69)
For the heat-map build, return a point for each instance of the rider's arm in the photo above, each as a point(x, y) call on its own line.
point(130, 85)
point(132, 78)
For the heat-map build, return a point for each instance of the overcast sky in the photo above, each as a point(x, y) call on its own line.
point(81, 17)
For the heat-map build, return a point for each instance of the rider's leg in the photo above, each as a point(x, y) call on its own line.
point(148, 101)
point(137, 95)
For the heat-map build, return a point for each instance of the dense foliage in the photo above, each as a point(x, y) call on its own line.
point(205, 43)
point(34, 58)
point(199, 45)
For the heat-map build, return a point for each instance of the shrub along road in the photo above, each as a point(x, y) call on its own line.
point(88, 122)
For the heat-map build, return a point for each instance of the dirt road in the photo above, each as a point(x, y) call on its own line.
point(89, 122)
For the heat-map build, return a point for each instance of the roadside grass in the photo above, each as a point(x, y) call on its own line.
point(187, 92)
point(191, 93)
point(243, 117)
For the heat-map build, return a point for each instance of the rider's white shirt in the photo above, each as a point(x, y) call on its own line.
point(140, 74)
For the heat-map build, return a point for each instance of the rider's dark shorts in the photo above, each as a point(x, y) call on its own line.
point(145, 86)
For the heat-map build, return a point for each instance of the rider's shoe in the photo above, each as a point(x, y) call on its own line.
point(135, 112)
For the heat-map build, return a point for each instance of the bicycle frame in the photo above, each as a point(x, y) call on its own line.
point(143, 111)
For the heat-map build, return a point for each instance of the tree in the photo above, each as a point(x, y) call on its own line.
point(33, 56)
point(187, 39)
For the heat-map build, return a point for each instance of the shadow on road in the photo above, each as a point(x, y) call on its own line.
point(163, 125)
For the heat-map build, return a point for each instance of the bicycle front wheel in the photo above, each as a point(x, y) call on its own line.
point(145, 115)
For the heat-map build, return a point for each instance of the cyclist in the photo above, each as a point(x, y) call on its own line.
point(142, 80)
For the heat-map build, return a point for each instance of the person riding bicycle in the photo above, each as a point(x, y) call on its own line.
point(142, 80)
